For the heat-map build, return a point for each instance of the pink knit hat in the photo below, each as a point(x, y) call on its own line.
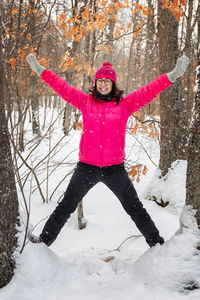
point(106, 71)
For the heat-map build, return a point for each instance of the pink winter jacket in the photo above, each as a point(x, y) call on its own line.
point(104, 123)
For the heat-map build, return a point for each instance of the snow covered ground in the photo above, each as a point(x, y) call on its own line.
point(94, 263)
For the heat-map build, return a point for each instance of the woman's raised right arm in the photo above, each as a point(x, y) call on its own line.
point(59, 85)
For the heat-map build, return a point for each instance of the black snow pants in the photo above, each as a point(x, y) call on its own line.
point(116, 179)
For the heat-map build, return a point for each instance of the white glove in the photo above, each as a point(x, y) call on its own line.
point(180, 68)
point(34, 64)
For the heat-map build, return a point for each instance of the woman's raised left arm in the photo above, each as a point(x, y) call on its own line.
point(146, 94)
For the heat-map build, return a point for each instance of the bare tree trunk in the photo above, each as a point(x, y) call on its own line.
point(67, 118)
point(128, 88)
point(172, 110)
point(188, 50)
point(149, 66)
point(111, 26)
point(193, 169)
point(69, 74)
point(81, 222)
point(149, 69)
point(21, 136)
point(8, 194)
point(85, 84)
point(34, 96)
point(35, 107)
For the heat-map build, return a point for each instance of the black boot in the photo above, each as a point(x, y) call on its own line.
point(155, 240)
point(35, 239)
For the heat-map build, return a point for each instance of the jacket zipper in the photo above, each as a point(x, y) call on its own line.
point(101, 141)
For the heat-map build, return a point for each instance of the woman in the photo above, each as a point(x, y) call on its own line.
point(101, 152)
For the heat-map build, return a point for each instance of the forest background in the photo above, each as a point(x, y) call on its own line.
point(142, 39)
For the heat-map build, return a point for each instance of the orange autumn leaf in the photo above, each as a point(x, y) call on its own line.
point(78, 67)
point(21, 52)
point(67, 63)
point(144, 171)
point(136, 171)
point(90, 26)
point(114, 17)
point(78, 37)
point(43, 62)
point(86, 14)
point(91, 72)
point(100, 48)
point(63, 26)
point(108, 49)
point(134, 131)
point(79, 125)
point(135, 34)
point(78, 21)
point(101, 27)
point(117, 33)
point(138, 6)
point(145, 11)
point(73, 31)
point(137, 114)
point(86, 64)
point(119, 5)
point(176, 6)
point(14, 11)
point(62, 17)
point(144, 128)
point(109, 258)
point(13, 62)
point(111, 9)
point(153, 133)
point(33, 73)
point(69, 20)
point(126, 4)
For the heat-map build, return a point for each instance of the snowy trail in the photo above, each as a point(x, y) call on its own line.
point(74, 267)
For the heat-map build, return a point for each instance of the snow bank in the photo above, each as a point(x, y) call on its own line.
point(171, 188)
point(74, 266)
point(175, 266)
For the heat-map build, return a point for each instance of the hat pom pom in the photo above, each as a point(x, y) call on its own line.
point(107, 64)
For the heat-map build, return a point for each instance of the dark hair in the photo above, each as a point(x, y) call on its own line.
point(115, 94)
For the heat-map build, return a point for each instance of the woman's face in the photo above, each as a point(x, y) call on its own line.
point(104, 86)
